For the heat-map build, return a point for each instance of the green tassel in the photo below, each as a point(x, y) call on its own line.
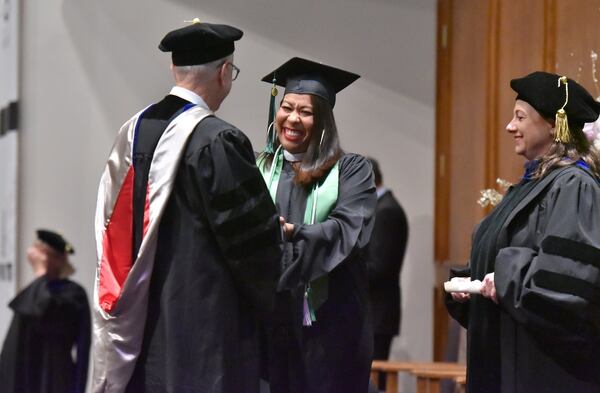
point(270, 147)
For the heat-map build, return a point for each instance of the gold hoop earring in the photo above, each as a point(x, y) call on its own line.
point(322, 136)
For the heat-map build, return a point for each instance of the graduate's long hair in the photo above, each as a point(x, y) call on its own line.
point(324, 148)
point(561, 154)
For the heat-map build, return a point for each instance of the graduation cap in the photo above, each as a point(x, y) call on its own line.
point(559, 97)
point(200, 43)
point(302, 76)
point(55, 241)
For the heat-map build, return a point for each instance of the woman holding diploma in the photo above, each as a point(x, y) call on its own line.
point(535, 325)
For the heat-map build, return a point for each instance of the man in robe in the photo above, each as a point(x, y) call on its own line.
point(188, 238)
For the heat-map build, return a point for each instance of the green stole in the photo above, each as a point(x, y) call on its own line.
point(320, 202)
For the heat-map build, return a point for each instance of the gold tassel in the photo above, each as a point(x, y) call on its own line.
point(562, 132)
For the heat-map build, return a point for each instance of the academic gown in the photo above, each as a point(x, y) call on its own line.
point(51, 319)
point(334, 354)
point(542, 241)
point(216, 263)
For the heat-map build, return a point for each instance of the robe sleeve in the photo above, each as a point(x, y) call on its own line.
point(555, 288)
point(319, 248)
point(241, 214)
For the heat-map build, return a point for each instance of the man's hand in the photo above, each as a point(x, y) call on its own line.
point(288, 229)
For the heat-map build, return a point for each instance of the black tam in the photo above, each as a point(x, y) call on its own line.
point(200, 43)
point(541, 90)
point(55, 240)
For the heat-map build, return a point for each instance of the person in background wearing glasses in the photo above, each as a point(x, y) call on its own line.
point(188, 238)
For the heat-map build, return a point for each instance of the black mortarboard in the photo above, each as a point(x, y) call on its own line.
point(543, 91)
point(54, 240)
point(200, 43)
point(303, 76)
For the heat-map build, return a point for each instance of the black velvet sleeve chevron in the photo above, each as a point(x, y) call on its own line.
point(556, 291)
point(553, 287)
point(572, 249)
point(241, 214)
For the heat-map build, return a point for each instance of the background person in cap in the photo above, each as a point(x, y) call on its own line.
point(321, 339)
point(188, 237)
point(535, 325)
point(48, 342)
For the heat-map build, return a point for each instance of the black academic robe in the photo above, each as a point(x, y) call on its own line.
point(51, 322)
point(385, 257)
point(333, 355)
point(216, 264)
point(543, 243)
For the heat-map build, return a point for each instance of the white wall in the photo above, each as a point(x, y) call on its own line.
point(88, 65)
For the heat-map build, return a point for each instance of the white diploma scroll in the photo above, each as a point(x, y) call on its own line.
point(460, 285)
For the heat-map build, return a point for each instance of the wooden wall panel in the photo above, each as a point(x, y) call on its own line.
point(520, 52)
point(442, 123)
point(578, 34)
point(467, 125)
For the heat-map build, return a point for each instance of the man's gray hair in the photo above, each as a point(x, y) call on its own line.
point(200, 72)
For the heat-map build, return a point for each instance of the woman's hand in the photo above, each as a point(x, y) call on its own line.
point(460, 297)
point(288, 229)
point(488, 289)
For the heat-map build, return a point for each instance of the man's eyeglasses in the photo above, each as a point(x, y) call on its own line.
point(235, 71)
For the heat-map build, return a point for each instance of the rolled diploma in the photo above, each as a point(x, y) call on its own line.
point(463, 286)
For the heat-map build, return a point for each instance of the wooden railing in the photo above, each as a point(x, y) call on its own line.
point(428, 375)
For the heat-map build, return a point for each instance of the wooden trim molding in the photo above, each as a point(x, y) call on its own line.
point(491, 118)
point(442, 128)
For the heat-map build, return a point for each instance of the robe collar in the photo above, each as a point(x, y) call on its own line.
point(531, 166)
point(380, 191)
point(189, 95)
point(291, 157)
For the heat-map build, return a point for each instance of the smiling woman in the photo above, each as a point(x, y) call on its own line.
point(319, 339)
point(534, 327)
point(533, 134)
point(294, 122)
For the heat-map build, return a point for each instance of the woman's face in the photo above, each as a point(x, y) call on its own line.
point(294, 122)
point(40, 254)
point(533, 134)
point(37, 253)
